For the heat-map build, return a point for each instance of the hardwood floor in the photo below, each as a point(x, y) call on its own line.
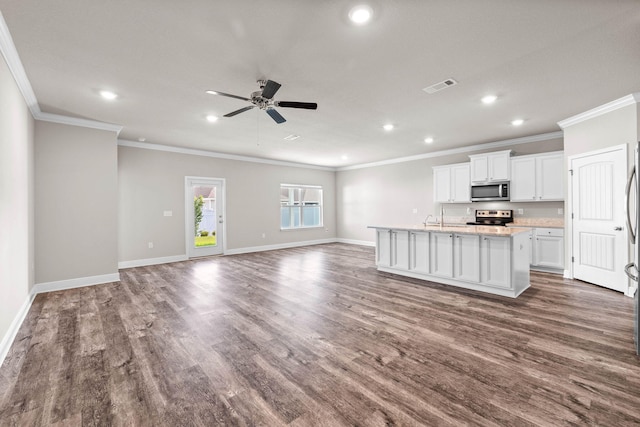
point(316, 336)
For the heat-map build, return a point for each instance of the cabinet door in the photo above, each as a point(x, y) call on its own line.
point(523, 179)
point(460, 183)
point(419, 252)
point(549, 177)
point(441, 184)
point(466, 257)
point(548, 248)
point(495, 261)
point(383, 248)
point(400, 249)
point(499, 165)
point(479, 168)
point(442, 254)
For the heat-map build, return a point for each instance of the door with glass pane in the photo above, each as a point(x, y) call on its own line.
point(204, 208)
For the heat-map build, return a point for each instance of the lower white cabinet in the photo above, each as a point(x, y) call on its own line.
point(466, 257)
point(383, 247)
point(442, 254)
point(548, 248)
point(495, 261)
point(419, 252)
point(400, 249)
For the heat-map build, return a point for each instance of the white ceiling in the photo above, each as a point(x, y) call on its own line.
point(547, 60)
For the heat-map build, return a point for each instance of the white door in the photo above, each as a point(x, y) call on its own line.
point(598, 237)
point(204, 216)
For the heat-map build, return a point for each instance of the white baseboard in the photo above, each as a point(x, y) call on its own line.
point(279, 246)
point(567, 274)
point(151, 261)
point(356, 242)
point(80, 282)
point(8, 338)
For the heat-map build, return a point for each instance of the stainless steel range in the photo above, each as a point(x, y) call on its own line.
point(497, 217)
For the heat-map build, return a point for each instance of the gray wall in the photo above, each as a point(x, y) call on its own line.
point(76, 220)
point(151, 182)
point(387, 195)
point(16, 200)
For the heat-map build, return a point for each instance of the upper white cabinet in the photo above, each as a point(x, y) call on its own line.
point(451, 183)
point(537, 177)
point(491, 167)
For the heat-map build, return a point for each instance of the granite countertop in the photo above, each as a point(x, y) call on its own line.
point(485, 230)
point(538, 222)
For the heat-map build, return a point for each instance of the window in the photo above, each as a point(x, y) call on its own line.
point(300, 206)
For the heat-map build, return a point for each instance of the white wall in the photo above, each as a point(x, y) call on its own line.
point(76, 187)
point(16, 203)
point(387, 195)
point(151, 182)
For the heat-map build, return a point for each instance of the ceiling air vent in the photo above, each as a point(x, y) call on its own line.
point(291, 137)
point(439, 86)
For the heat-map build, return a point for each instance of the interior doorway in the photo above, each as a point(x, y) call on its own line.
point(204, 216)
point(599, 238)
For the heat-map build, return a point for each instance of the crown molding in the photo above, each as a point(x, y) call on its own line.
point(75, 121)
point(205, 153)
point(460, 150)
point(625, 101)
point(10, 54)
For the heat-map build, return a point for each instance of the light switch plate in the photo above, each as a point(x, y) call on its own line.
point(415, 210)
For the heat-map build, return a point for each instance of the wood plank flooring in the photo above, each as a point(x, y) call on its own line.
point(316, 336)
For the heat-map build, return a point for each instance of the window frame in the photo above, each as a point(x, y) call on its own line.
point(300, 206)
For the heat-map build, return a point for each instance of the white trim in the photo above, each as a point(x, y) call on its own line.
point(10, 336)
point(61, 285)
point(278, 246)
point(206, 153)
point(356, 242)
point(459, 150)
point(151, 261)
point(10, 54)
point(74, 121)
point(625, 101)
point(567, 274)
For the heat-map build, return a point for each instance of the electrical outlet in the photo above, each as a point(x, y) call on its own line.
point(468, 211)
point(560, 211)
point(264, 235)
point(150, 245)
point(415, 210)
point(520, 211)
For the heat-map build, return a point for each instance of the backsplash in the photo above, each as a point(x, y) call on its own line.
point(552, 212)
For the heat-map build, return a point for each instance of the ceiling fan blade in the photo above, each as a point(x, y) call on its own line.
point(270, 89)
point(291, 104)
point(275, 115)
point(215, 92)
point(242, 110)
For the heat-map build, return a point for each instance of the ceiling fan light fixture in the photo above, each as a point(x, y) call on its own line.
point(360, 14)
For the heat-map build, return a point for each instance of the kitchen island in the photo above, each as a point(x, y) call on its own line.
point(483, 258)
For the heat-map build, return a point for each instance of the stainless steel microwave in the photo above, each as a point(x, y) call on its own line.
point(490, 191)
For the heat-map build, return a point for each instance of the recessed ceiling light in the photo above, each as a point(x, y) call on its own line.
point(489, 99)
point(517, 122)
point(345, 157)
point(428, 140)
point(360, 14)
point(211, 118)
point(388, 127)
point(108, 94)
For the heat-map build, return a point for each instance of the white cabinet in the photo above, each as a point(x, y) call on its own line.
point(495, 261)
point(491, 167)
point(442, 254)
point(466, 257)
point(451, 183)
point(400, 249)
point(419, 252)
point(383, 247)
point(537, 178)
point(548, 248)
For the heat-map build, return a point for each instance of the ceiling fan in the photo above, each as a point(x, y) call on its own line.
point(263, 99)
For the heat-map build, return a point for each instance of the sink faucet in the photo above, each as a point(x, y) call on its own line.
point(441, 213)
point(426, 220)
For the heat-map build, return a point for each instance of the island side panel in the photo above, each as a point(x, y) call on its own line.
point(520, 248)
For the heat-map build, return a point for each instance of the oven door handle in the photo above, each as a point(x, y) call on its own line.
point(627, 196)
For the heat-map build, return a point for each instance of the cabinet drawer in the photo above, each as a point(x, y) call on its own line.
point(554, 232)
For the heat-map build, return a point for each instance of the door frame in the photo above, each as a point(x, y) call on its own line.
point(188, 210)
point(568, 273)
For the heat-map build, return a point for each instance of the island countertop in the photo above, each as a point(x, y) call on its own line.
point(483, 230)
